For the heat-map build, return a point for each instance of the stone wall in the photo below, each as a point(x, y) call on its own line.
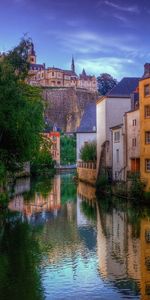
point(87, 175)
point(65, 106)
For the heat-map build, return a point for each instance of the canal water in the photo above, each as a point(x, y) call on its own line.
point(58, 242)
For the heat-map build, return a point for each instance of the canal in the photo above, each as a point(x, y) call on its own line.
point(57, 241)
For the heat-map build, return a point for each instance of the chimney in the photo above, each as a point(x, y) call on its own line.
point(146, 70)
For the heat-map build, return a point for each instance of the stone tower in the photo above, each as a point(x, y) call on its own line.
point(73, 65)
point(32, 55)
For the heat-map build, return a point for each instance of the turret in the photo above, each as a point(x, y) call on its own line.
point(32, 55)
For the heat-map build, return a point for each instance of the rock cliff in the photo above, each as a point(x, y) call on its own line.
point(65, 106)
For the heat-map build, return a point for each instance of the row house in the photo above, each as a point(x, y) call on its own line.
point(123, 130)
point(110, 110)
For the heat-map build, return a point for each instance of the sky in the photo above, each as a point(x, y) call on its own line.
point(104, 36)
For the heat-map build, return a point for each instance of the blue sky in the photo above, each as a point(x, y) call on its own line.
point(103, 35)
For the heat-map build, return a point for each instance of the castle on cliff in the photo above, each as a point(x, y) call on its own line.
point(39, 75)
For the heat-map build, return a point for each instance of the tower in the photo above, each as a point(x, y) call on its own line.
point(32, 55)
point(73, 65)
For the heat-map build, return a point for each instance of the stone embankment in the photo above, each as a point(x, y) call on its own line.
point(87, 172)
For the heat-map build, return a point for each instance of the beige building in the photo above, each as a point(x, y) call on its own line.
point(55, 77)
point(132, 140)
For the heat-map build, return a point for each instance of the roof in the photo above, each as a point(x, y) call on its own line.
point(37, 66)
point(88, 121)
point(116, 127)
point(124, 88)
point(70, 73)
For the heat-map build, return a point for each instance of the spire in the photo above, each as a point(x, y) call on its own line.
point(83, 72)
point(73, 65)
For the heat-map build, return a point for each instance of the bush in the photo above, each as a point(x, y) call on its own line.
point(137, 188)
point(88, 152)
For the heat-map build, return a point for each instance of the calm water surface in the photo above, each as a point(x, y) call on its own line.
point(58, 242)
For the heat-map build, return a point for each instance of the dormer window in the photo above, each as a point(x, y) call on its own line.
point(147, 90)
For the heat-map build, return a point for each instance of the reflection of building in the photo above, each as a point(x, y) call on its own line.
point(145, 259)
point(118, 251)
point(55, 77)
point(40, 203)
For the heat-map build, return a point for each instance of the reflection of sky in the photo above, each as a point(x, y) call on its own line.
point(77, 278)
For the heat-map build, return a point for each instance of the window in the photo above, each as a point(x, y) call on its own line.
point(147, 165)
point(147, 236)
point(52, 73)
point(147, 90)
point(117, 155)
point(117, 136)
point(134, 142)
point(147, 111)
point(134, 122)
point(147, 137)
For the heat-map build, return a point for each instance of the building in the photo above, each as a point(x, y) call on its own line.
point(54, 136)
point(109, 113)
point(87, 130)
point(132, 142)
point(144, 108)
point(39, 75)
point(118, 153)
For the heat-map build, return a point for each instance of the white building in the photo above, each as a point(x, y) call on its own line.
point(109, 113)
point(118, 166)
point(87, 131)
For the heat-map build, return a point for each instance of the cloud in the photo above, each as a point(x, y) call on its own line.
point(112, 65)
point(131, 9)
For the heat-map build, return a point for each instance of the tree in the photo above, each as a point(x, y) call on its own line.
point(21, 110)
point(88, 152)
point(105, 83)
point(68, 149)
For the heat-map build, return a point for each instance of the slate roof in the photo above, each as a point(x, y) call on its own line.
point(36, 67)
point(88, 121)
point(70, 73)
point(125, 87)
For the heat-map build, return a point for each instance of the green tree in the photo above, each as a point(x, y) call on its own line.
point(88, 152)
point(67, 149)
point(105, 83)
point(21, 110)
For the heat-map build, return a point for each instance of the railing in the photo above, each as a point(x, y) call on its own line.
point(87, 165)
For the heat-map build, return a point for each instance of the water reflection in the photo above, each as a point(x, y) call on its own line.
point(59, 242)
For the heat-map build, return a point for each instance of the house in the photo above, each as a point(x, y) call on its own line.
point(144, 108)
point(109, 113)
point(132, 142)
point(117, 153)
point(54, 137)
point(87, 129)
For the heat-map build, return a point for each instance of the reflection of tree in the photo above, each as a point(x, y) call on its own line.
point(89, 210)
point(41, 185)
point(68, 189)
point(19, 261)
